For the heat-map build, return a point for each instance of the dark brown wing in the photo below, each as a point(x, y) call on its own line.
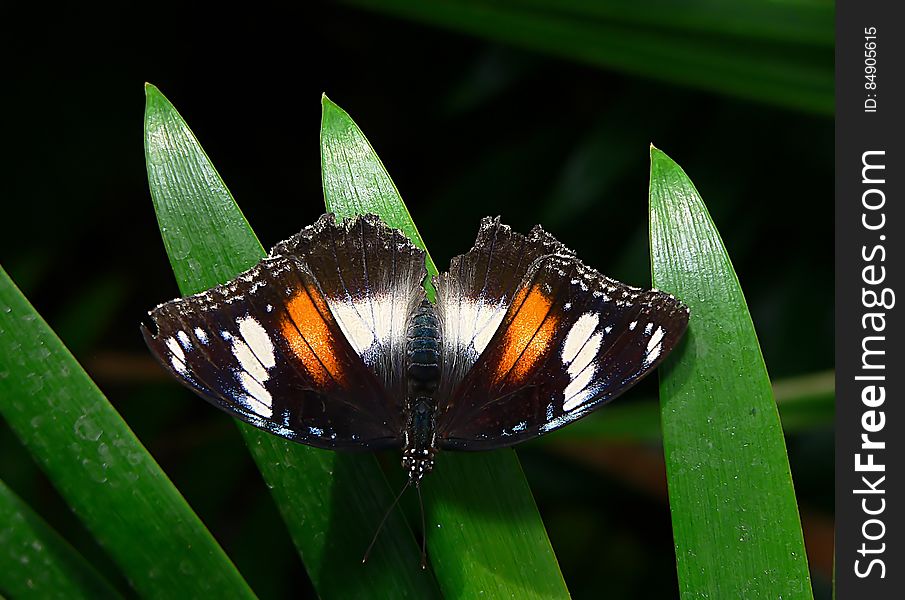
point(473, 296)
point(569, 341)
point(302, 344)
point(371, 276)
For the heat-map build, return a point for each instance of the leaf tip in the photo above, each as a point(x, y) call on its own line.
point(330, 109)
point(151, 90)
point(654, 154)
point(660, 160)
point(657, 154)
point(154, 99)
point(327, 104)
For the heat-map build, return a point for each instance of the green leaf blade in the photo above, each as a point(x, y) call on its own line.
point(99, 467)
point(330, 502)
point(356, 182)
point(35, 562)
point(485, 536)
point(180, 175)
point(735, 519)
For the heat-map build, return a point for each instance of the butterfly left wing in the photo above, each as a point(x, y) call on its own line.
point(571, 340)
point(266, 348)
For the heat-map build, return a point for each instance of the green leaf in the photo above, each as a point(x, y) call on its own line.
point(357, 186)
point(735, 519)
point(781, 65)
point(485, 536)
point(331, 502)
point(99, 467)
point(35, 562)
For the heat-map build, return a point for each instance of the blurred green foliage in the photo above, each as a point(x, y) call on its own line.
point(779, 53)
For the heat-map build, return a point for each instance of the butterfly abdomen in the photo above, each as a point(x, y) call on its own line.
point(423, 371)
point(423, 351)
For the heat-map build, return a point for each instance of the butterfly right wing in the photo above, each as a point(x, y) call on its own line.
point(473, 296)
point(571, 341)
point(567, 340)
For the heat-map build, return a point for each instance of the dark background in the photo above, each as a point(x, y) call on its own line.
point(466, 127)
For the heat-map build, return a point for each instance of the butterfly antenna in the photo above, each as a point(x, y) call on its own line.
point(384, 520)
point(423, 529)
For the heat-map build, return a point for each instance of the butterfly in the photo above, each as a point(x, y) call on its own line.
point(330, 340)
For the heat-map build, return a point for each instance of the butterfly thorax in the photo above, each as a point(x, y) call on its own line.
point(423, 373)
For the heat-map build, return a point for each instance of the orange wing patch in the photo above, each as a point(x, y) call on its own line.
point(309, 336)
point(527, 337)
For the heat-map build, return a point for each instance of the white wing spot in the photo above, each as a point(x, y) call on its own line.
point(648, 328)
point(582, 372)
point(184, 339)
point(201, 335)
point(248, 361)
point(388, 317)
point(632, 325)
point(654, 346)
point(177, 358)
point(573, 391)
point(255, 356)
point(652, 356)
point(578, 335)
point(261, 400)
point(486, 319)
point(587, 354)
point(358, 331)
point(257, 339)
point(655, 339)
point(176, 349)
